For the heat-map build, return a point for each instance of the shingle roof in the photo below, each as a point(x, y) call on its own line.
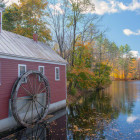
point(12, 44)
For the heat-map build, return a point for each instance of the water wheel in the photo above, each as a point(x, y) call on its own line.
point(30, 98)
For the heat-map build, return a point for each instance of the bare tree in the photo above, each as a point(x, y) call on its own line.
point(69, 21)
point(58, 21)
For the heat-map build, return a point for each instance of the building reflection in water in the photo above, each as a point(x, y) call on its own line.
point(109, 114)
point(53, 129)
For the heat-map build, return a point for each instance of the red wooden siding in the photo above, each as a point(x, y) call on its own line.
point(0, 22)
point(9, 74)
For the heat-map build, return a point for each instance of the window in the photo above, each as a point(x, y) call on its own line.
point(21, 71)
point(57, 74)
point(41, 69)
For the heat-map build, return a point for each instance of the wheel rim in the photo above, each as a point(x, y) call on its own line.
point(30, 98)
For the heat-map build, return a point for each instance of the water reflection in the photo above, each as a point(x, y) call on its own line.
point(123, 95)
point(89, 117)
point(110, 114)
point(53, 129)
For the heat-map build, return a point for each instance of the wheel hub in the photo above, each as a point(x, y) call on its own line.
point(34, 98)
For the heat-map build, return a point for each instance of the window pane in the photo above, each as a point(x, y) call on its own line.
point(22, 70)
point(57, 74)
point(41, 69)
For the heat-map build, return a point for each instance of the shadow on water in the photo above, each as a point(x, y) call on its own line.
point(53, 129)
point(107, 114)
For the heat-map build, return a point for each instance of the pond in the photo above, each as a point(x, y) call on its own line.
point(113, 113)
point(110, 114)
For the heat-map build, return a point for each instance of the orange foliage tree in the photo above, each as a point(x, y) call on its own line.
point(26, 18)
point(81, 76)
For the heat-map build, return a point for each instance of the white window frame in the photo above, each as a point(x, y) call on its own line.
point(22, 65)
point(43, 71)
point(56, 73)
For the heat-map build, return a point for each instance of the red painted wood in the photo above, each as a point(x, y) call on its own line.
point(0, 21)
point(9, 74)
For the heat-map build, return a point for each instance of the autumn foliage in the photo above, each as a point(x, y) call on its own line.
point(26, 18)
point(84, 75)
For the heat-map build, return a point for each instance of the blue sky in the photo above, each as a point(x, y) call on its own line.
point(117, 22)
point(121, 17)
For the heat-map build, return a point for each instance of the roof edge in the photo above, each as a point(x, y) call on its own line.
point(30, 59)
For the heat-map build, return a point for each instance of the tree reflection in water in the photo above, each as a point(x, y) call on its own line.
point(92, 115)
point(110, 114)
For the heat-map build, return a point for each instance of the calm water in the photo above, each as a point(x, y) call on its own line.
point(110, 114)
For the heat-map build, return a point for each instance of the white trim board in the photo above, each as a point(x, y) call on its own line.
point(31, 60)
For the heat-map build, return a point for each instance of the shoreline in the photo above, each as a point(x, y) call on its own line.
point(72, 98)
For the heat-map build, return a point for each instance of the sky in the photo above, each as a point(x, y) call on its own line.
point(123, 25)
point(121, 18)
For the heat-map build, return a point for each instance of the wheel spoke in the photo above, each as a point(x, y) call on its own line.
point(43, 89)
point(37, 109)
point(38, 88)
point(27, 91)
point(27, 112)
point(30, 84)
point(35, 83)
point(32, 112)
point(36, 132)
point(41, 104)
point(22, 107)
point(40, 134)
point(23, 98)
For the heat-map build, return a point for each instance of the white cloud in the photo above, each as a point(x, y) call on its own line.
point(134, 5)
point(128, 32)
point(112, 6)
point(9, 2)
point(57, 8)
point(102, 7)
point(131, 119)
point(135, 53)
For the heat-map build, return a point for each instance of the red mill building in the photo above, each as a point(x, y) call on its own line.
point(18, 55)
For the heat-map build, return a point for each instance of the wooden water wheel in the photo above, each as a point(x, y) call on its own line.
point(30, 98)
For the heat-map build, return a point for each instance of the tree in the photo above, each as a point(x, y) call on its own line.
point(57, 21)
point(77, 14)
point(81, 76)
point(27, 18)
point(125, 58)
point(2, 4)
point(11, 18)
point(69, 22)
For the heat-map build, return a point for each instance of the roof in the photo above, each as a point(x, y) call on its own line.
point(18, 46)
